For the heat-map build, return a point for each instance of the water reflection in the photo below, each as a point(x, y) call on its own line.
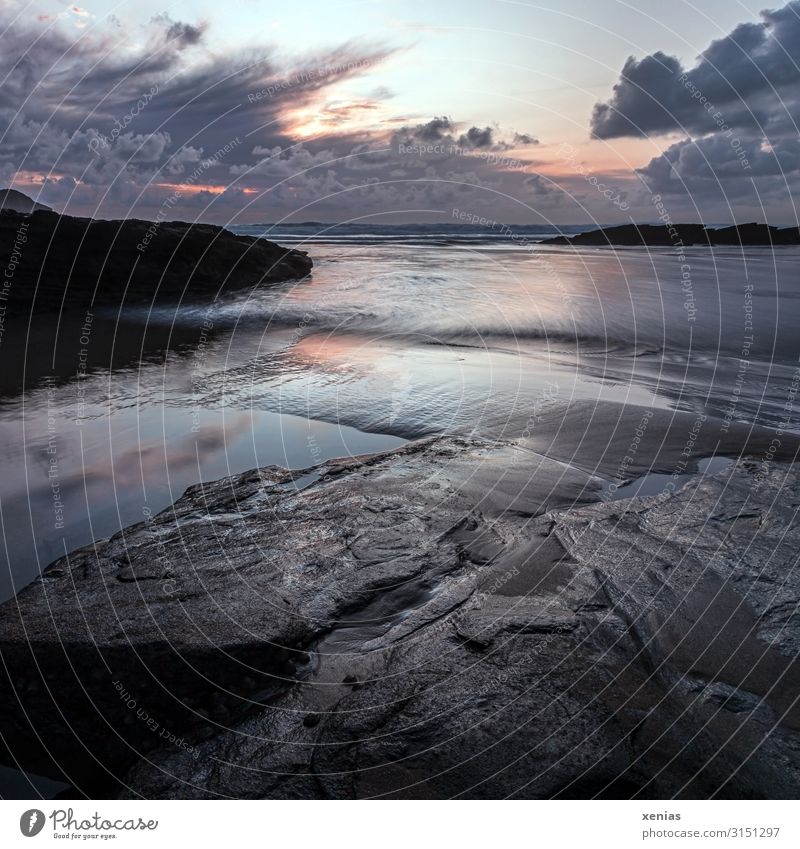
point(402, 340)
point(70, 481)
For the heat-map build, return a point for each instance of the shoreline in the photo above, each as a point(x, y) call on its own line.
point(399, 616)
point(467, 509)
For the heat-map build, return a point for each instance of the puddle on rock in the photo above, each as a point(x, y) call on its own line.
point(655, 483)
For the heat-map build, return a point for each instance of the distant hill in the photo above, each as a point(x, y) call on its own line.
point(12, 199)
point(682, 235)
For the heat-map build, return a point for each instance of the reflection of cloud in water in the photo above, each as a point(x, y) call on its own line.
point(109, 470)
point(429, 340)
point(136, 463)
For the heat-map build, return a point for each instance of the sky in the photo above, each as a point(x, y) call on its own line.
point(555, 112)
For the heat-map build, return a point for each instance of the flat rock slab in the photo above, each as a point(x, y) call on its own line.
point(203, 612)
point(447, 619)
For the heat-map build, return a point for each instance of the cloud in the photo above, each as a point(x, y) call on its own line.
point(127, 110)
point(442, 131)
point(736, 109)
point(277, 162)
point(435, 130)
point(542, 187)
point(477, 137)
point(110, 120)
point(177, 32)
point(750, 77)
point(381, 92)
point(712, 164)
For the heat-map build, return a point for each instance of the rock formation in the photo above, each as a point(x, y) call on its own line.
point(686, 235)
point(12, 200)
point(57, 261)
point(429, 622)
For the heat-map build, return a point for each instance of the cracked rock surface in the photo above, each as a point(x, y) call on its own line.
point(452, 618)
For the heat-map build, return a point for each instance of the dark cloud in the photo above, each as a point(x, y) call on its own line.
point(435, 130)
point(176, 31)
point(750, 78)
point(443, 132)
point(112, 121)
point(542, 187)
point(477, 137)
point(126, 111)
point(647, 98)
point(737, 109)
point(712, 163)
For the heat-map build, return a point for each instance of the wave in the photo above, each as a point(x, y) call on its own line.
point(394, 328)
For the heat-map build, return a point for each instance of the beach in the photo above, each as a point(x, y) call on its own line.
point(433, 412)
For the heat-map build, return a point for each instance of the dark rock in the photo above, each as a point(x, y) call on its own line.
point(61, 260)
point(645, 647)
point(686, 235)
point(14, 201)
point(244, 577)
